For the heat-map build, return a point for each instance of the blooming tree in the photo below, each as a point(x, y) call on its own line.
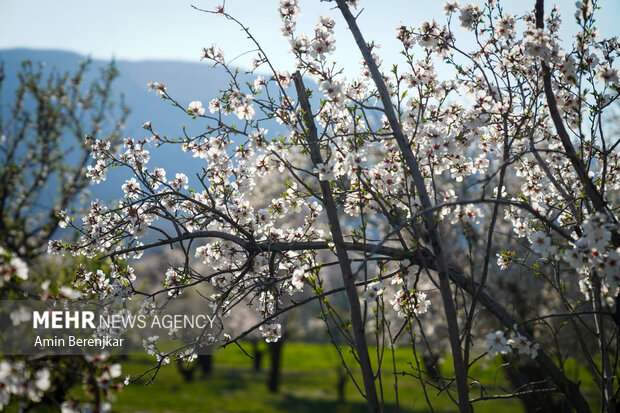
point(511, 159)
point(42, 158)
point(41, 130)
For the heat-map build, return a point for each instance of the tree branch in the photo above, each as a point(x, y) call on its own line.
point(460, 370)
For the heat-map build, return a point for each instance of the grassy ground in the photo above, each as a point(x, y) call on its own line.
point(309, 384)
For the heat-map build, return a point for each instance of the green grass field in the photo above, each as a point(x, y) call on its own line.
point(309, 384)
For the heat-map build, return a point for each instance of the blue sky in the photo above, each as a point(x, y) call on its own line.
point(160, 29)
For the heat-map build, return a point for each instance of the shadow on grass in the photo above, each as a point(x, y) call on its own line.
point(233, 387)
point(291, 403)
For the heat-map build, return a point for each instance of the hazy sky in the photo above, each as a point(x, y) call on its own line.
point(160, 29)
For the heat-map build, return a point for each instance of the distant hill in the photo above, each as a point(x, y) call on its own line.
point(186, 81)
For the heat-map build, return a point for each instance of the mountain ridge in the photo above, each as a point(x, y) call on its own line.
point(186, 81)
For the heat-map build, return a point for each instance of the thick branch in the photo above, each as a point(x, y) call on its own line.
point(429, 219)
point(591, 191)
point(341, 252)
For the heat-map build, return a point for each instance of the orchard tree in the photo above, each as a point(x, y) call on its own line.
point(42, 163)
point(42, 150)
point(510, 163)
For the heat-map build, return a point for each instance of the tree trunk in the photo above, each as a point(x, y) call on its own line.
point(258, 356)
point(275, 350)
point(430, 365)
point(186, 371)
point(206, 364)
point(357, 323)
point(342, 383)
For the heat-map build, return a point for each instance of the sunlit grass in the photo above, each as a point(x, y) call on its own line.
point(309, 384)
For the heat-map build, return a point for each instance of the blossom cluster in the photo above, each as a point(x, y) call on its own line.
point(515, 342)
point(17, 380)
point(105, 375)
point(11, 267)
